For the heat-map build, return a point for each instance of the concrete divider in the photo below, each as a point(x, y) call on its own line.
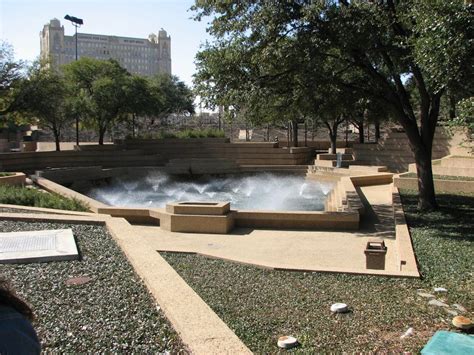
point(51, 186)
point(406, 255)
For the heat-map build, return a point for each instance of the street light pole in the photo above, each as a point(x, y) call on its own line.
point(76, 22)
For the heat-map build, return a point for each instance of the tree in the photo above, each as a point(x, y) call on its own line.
point(10, 75)
point(388, 41)
point(44, 95)
point(102, 88)
point(140, 100)
point(170, 96)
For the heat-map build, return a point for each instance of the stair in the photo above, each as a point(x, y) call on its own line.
point(331, 160)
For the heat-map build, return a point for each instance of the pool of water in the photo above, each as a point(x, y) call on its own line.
point(260, 191)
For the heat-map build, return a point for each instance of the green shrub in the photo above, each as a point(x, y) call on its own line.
point(185, 134)
point(200, 133)
point(14, 195)
point(6, 174)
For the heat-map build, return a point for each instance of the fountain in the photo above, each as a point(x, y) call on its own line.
point(259, 191)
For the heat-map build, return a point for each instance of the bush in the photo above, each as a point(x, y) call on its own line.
point(14, 195)
point(186, 134)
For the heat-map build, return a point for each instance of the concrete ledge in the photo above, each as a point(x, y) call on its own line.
point(200, 208)
point(373, 179)
point(51, 186)
point(47, 210)
point(133, 215)
point(16, 179)
point(67, 175)
point(298, 220)
point(406, 254)
point(451, 186)
point(368, 169)
point(213, 224)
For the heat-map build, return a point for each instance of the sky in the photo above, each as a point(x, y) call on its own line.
point(22, 20)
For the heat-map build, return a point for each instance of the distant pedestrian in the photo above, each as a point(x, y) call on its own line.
point(17, 335)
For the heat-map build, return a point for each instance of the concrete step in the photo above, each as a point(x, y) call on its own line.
point(328, 156)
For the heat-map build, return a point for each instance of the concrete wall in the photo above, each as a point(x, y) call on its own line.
point(158, 153)
point(246, 153)
point(394, 151)
point(452, 186)
point(31, 161)
point(451, 166)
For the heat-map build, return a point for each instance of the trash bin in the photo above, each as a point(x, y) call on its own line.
point(375, 252)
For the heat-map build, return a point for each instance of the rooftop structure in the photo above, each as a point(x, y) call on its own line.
point(143, 56)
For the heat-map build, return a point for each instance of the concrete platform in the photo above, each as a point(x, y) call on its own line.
point(37, 246)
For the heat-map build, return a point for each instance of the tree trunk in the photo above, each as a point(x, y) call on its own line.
point(133, 125)
point(305, 134)
point(288, 135)
point(421, 146)
point(101, 135)
point(426, 192)
point(361, 131)
point(377, 130)
point(452, 107)
point(294, 126)
point(347, 133)
point(57, 140)
point(333, 138)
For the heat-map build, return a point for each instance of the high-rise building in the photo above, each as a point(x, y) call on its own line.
point(138, 55)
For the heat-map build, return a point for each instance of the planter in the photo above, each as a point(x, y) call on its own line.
point(17, 179)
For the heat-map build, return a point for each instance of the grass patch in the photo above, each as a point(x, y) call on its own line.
point(260, 305)
point(23, 196)
point(6, 174)
point(440, 177)
point(113, 313)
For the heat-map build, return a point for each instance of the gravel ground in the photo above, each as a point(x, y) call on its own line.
point(112, 313)
point(261, 305)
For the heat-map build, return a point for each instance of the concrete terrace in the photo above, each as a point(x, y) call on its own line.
point(327, 251)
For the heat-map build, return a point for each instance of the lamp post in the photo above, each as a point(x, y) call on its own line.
point(76, 22)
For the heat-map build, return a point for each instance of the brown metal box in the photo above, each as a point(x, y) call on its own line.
point(375, 252)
